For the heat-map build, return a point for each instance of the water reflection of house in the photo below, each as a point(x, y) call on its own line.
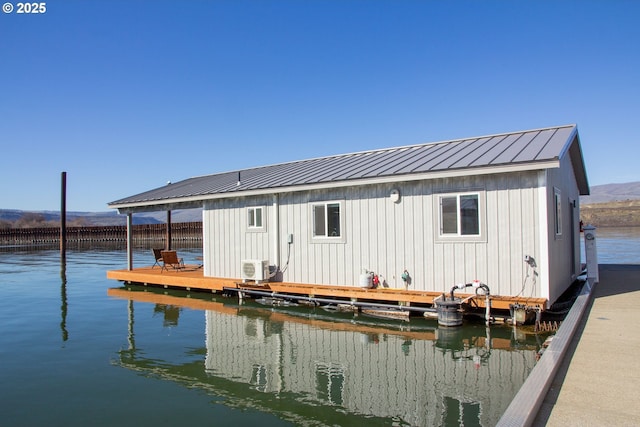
point(379, 375)
point(424, 376)
point(503, 209)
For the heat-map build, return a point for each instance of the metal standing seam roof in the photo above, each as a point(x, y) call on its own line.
point(529, 147)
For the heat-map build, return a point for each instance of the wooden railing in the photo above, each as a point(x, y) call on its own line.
point(182, 231)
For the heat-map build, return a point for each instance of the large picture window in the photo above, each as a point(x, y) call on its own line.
point(326, 220)
point(460, 216)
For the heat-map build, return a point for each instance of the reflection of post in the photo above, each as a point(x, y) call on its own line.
point(63, 217)
point(130, 335)
point(591, 252)
point(63, 300)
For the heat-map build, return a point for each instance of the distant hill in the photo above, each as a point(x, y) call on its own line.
point(612, 214)
point(612, 205)
point(612, 193)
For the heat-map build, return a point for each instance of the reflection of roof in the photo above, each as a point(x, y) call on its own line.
point(525, 150)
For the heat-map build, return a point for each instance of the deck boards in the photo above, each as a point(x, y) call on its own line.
point(192, 278)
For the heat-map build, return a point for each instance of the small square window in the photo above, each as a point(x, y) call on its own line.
point(255, 218)
point(326, 220)
point(460, 215)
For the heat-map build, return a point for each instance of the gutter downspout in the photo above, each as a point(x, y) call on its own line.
point(543, 234)
point(276, 227)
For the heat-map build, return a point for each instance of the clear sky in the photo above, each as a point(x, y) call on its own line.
point(127, 95)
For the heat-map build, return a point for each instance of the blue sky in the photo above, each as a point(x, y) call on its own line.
point(127, 95)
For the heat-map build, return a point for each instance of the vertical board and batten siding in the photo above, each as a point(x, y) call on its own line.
point(387, 237)
point(560, 248)
point(299, 359)
point(227, 240)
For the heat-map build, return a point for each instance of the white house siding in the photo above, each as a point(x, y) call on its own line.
point(386, 237)
point(227, 239)
point(371, 374)
point(562, 248)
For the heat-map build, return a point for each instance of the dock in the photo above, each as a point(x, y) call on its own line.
point(598, 382)
point(588, 375)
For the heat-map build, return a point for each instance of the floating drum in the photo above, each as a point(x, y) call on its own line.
point(449, 312)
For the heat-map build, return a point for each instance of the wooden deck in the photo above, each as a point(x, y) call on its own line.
point(192, 278)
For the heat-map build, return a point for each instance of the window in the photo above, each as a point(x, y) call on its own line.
point(326, 220)
point(255, 218)
point(557, 211)
point(460, 215)
point(330, 380)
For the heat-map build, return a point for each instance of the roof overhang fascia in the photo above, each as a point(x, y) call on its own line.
point(577, 162)
point(198, 201)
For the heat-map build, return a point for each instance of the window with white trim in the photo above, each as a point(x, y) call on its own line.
point(326, 218)
point(255, 218)
point(461, 216)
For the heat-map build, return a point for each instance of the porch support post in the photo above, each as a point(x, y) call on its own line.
point(168, 244)
point(130, 241)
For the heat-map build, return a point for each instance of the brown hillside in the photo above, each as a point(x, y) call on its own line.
point(612, 214)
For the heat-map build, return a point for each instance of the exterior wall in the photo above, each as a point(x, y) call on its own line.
point(564, 248)
point(388, 237)
point(382, 375)
point(227, 241)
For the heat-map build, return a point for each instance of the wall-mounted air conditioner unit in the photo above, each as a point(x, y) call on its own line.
point(254, 269)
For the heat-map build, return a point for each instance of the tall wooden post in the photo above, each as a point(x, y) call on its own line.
point(129, 241)
point(63, 217)
point(168, 244)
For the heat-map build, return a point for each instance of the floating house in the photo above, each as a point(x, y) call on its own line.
point(502, 209)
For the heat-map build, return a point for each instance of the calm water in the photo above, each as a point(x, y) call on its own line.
point(77, 349)
point(620, 245)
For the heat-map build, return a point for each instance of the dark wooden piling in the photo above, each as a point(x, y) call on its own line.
point(63, 217)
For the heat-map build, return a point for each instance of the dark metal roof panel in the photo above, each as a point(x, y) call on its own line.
point(530, 151)
point(441, 152)
point(494, 150)
point(420, 155)
point(460, 151)
point(554, 147)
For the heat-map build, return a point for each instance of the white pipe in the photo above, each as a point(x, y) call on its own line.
point(487, 315)
point(276, 232)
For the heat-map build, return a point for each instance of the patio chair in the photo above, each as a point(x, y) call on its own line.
point(157, 256)
point(170, 259)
